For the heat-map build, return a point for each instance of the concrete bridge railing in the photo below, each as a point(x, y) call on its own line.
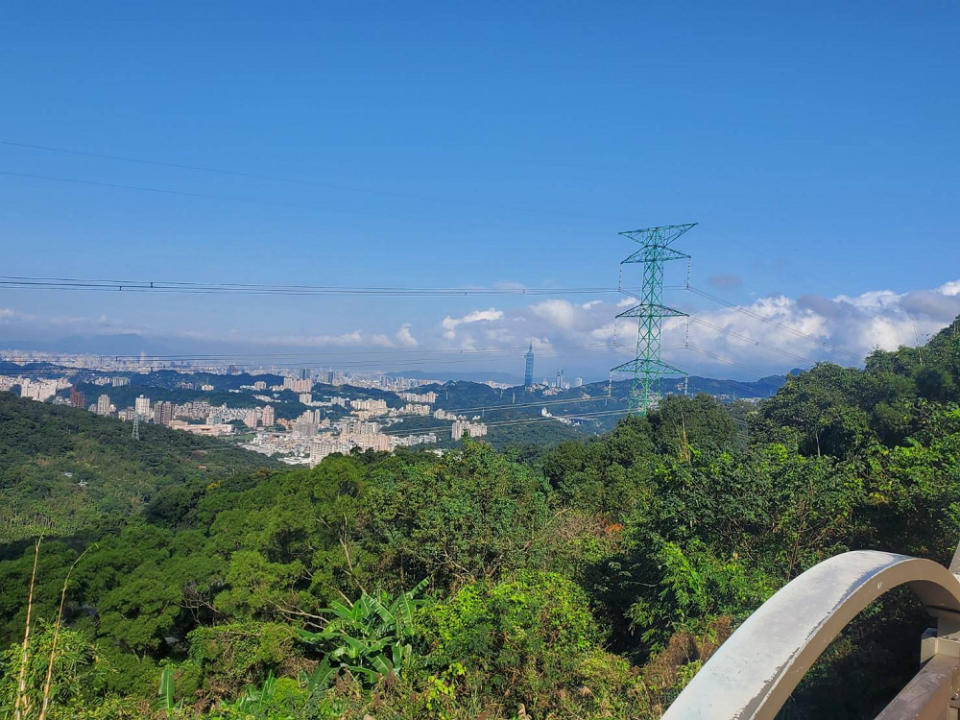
point(753, 673)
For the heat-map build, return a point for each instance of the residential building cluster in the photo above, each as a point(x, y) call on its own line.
point(312, 436)
point(297, 385)
point(428, 398)
point(373, 407)
point(331, 423)
point(112, 380)
point(260, 417)
point(473, 429)
point(40, 390)
point(198, 417)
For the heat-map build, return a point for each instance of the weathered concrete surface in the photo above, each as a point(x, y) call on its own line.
point(927, 695)
point(754, 672)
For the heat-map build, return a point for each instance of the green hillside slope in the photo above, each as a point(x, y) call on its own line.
point(64, 470)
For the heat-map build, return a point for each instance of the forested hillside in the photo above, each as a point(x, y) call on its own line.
point(65, 471)
point(588, 580)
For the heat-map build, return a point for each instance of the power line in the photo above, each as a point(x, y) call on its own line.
point(502, 423)
point(184, 166)
point(521, 406)
point(304, 357)
point(236, 173)
point(263, 363)
point(752, 341)
point(750, 313)
point(120, 285)
point(229, 447)
point(161, 286)
point(141, 188)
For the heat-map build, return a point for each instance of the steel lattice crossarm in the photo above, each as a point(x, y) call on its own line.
point(639, 365)
point(645, 310)
point(658, 235)
point(654, 253)
point(656, 240)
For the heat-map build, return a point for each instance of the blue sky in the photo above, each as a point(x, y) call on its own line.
point(476, 144)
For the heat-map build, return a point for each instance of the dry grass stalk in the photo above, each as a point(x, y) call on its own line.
point(56, 635)
point(21, 704)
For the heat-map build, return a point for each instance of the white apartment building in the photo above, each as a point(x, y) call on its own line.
point(374, 407)
point(327, 446)
point(297, 385)
point(475, 430)
point(268, 416)
point(412, 409)
point(428, 397)
point(39, 390)
point(103, 405)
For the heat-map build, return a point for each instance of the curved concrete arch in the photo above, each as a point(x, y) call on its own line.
point(753, 673)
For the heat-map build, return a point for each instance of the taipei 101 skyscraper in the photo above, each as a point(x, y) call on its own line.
point(528, 368)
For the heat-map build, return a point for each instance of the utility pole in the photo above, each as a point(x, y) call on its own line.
point(647, 366)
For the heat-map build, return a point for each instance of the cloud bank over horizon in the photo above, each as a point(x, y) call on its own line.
point(768, 335)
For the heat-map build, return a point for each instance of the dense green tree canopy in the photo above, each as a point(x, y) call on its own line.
point(585, 580)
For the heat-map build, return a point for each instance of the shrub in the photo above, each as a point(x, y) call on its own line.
point(526, 636)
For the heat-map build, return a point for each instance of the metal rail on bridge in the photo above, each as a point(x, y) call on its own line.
point(753, 673)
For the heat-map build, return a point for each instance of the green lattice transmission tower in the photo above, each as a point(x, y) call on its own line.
point(647, 366)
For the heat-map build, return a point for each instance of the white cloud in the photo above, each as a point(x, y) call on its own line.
point(950, 289)
point(342, 340)
point(405, 337)
point(483, 315)
point(450, 324)
point(560, 313)
point(877, 299)
point(768, 335)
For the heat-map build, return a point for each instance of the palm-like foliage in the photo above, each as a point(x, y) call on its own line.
point(256, 701)
point(369, 637)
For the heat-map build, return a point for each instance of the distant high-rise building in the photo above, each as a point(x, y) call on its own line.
point(528, 368)
point(329, 377)
point(103, 405)
point(474, 430)
point(141, 406)
point(76, 398)
point(298, 386)
point(163, 413)
point(268, 418)
point(304, 374)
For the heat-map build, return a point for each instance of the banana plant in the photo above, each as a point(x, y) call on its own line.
point(257, 700)
point(369, 637)
point(165, 692)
